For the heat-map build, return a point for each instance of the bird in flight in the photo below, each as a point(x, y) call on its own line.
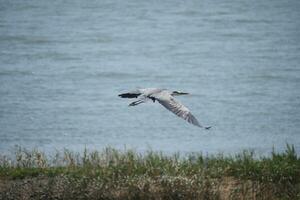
point(165, 98)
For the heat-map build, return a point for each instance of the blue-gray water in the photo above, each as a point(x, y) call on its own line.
point(63, 63)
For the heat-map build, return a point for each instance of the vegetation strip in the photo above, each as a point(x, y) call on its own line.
point(114, 174)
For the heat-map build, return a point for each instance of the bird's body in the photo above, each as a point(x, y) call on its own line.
point(165, 98)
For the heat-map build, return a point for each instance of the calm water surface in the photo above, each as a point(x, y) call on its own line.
point(63, 63)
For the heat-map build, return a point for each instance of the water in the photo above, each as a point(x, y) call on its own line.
point(63, 63)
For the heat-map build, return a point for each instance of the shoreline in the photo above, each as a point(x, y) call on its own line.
point(114, 174)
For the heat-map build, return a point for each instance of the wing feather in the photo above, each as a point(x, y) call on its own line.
point(132, 94)
point(178, 109)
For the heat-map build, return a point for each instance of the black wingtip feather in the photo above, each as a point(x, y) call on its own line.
point(129, 95)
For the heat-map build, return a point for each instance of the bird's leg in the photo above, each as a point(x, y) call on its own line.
point(136, 102)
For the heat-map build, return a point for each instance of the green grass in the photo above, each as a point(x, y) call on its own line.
point(114, 174)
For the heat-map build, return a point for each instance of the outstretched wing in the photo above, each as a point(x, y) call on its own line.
point(178, 109)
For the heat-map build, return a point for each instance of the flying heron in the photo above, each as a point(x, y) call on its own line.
point(165, 98)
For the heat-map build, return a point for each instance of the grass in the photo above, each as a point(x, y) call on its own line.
point(114, 174)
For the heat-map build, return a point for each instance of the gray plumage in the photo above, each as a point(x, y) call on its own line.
point(165, 98)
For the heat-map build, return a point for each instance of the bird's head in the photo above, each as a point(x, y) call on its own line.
point(177, 93)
